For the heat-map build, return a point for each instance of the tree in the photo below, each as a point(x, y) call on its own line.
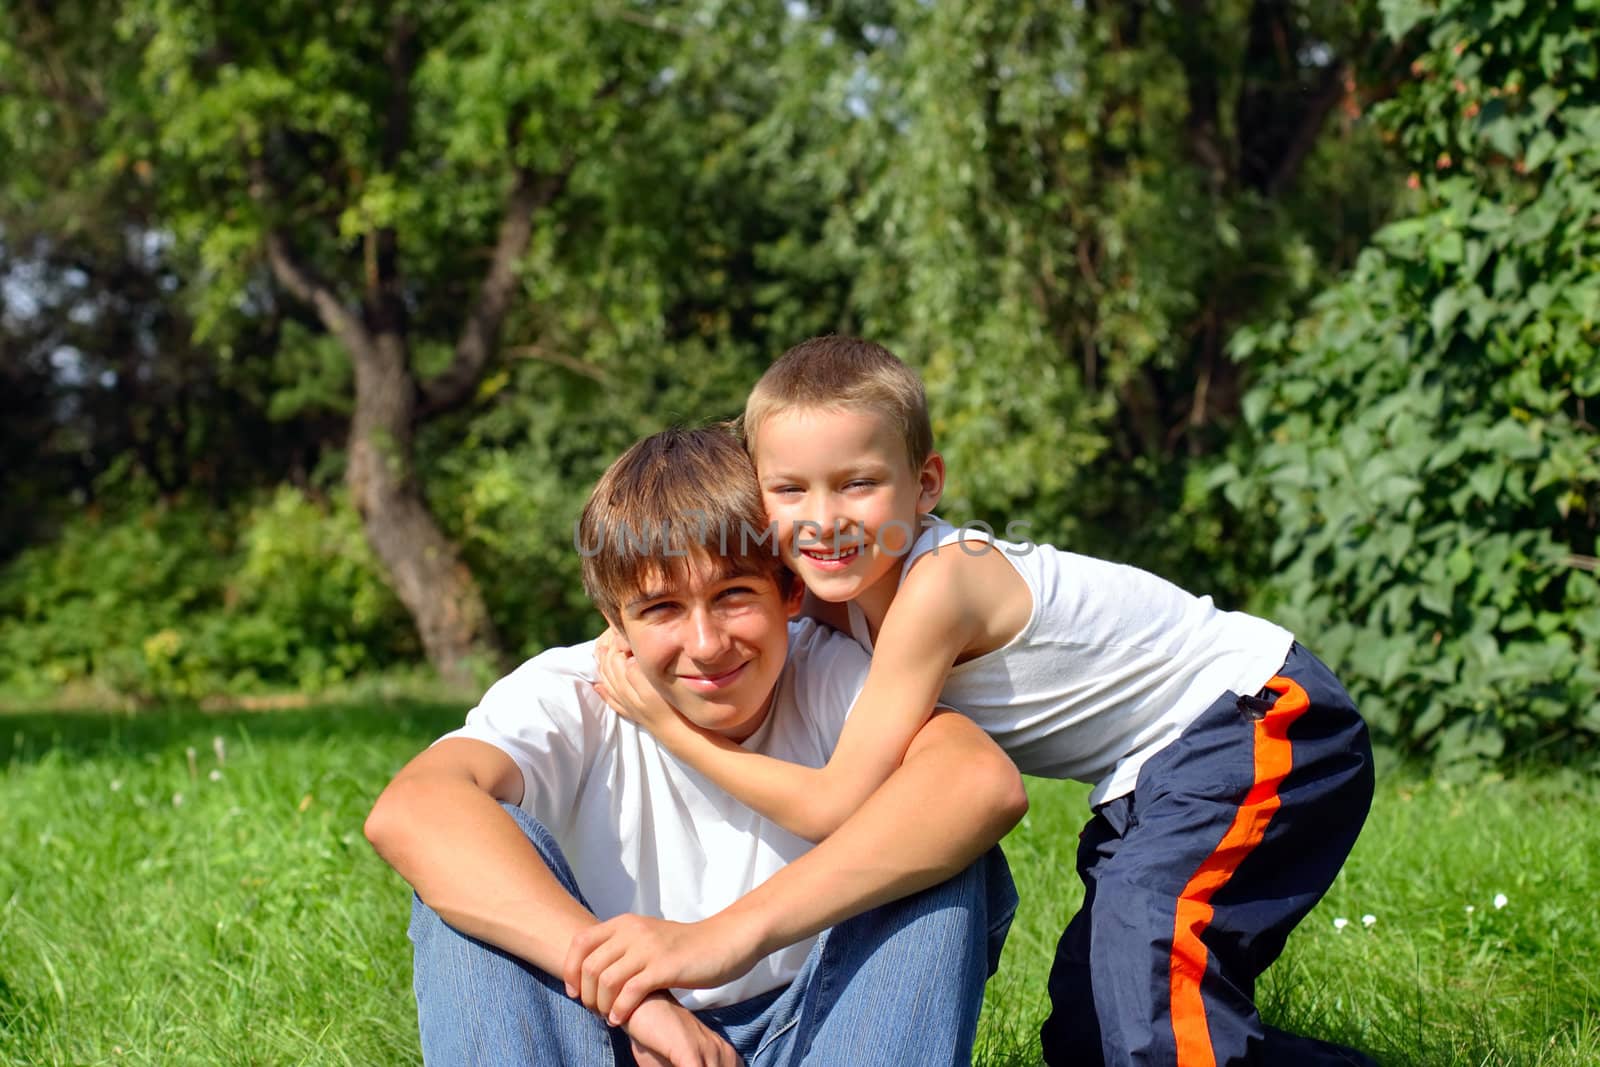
point(1425, 440)
point(1062, 211)
point(391, 168)
point(101, 367)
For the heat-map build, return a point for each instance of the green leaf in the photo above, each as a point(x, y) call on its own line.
point(1447, 306)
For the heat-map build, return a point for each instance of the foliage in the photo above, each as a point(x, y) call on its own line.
point(1060, 211)
point(175, 599)
point(102, 373)
point(358, 171)
point(1426, 446)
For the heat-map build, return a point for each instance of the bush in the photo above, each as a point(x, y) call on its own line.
point(1424, 440)
point(177, 599)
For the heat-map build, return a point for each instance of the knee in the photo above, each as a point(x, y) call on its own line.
point(983, 890)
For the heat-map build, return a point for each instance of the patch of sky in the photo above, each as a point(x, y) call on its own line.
point(1315, 54)
point(861, 92)
point(20, 296)
point(879, 36)
point(69, 366)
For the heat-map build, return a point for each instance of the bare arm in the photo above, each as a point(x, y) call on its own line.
point(440, 825)
point(955, 795)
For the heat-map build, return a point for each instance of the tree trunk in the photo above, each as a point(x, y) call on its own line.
point(422, 564)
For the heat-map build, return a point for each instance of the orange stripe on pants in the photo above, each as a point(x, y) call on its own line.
point(1273, 758)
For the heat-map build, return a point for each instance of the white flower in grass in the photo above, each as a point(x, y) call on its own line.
point(1471, 909)
point(116, 785)
point(215, 775)
point(1500, 901)
point(1368, 919)
point(177, 800)
point(1340, 923)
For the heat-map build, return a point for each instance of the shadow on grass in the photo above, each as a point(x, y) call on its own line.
point(28, 736)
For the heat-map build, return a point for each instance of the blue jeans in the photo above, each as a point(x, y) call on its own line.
point(896, 985)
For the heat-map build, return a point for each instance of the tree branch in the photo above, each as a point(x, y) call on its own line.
point(382, 250)
point(481, 332)
point(1202, 125)
point(300, 281)
point(560, 359)
point(1329, 92)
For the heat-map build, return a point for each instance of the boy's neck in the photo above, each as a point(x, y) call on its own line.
point(874, 602)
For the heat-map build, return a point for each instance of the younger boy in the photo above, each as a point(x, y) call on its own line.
point(545, 811)
point(1231, 771)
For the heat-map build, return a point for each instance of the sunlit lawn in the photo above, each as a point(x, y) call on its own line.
point(162, 910)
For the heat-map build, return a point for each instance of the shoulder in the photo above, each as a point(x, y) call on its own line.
point(554, 688)
point(826, 668)
point(818, 649)
point(960, 577)
point(968, 590)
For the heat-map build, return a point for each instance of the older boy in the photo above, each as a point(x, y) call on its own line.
point(1231, 770)
point(545, 811)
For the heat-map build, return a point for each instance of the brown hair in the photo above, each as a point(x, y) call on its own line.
point(844, 372)
point(676, 495)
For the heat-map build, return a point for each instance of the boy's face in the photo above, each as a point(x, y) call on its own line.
point(846, 499)
point(712, 644)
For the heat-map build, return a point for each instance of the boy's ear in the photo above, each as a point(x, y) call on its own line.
point(795, 600)
point(930, 481)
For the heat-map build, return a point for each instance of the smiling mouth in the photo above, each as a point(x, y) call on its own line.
point(709, 683)
point(838, 556)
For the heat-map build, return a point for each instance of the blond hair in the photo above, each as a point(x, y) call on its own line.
point(675, 496)
point(844, 372)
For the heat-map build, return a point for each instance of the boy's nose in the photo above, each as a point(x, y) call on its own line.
point(707, 637)
point(836, 521)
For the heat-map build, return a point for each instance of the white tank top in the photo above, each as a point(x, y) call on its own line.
point(1110, 668)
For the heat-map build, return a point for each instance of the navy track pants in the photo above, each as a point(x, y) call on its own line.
point(1194, 880)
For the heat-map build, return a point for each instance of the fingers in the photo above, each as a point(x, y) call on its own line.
point(613, 683)
point(596, 983)
point(605, 969)
point(583, 943)
point(609, 983)
point(634, 675)
point(630, 995)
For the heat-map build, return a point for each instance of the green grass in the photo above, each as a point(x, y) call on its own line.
point(153, 915)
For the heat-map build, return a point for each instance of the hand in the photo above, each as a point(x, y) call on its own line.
point(623, 687)
point(664, 1033)
point(613, 966)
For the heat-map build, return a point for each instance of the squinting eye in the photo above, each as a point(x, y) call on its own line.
point(860, 483)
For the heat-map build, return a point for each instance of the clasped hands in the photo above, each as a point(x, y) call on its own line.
point(621, 969)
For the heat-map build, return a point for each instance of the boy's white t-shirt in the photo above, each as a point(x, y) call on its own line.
point(1110, 668)
point(642, 832)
